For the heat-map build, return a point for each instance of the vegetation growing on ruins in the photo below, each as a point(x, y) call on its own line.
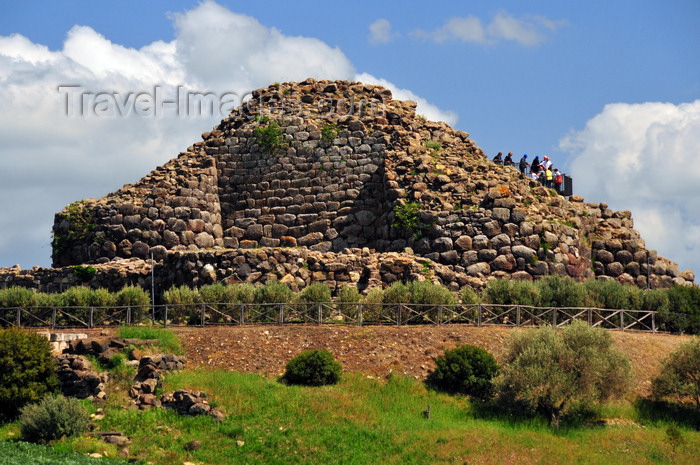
point(406, 219)
point(80, 224)
point(268, 134)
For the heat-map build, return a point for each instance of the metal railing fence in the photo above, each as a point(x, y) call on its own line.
point(347, 313)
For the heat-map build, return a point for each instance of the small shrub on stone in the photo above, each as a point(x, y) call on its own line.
point(406, 219)
point(27, 370)
point(52, 418)
point(315, 367)
point(464, 370)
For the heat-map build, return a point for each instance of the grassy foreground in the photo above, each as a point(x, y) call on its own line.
point(363, 420)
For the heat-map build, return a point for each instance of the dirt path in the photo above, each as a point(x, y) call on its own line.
point(380, 350)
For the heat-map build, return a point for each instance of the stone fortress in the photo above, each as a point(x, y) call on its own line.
point(336, 182)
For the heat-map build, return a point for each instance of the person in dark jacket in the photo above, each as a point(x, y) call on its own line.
point(523, 164)
point(509, 160)
point(535, 167)
point(498, 159)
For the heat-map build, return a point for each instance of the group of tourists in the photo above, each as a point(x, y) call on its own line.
point(540, 170)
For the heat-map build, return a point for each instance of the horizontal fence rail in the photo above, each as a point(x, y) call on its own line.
point(348, 313)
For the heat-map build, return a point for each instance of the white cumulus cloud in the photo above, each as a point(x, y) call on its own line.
point(117, 131)
point(380, 32)
point(644, 158)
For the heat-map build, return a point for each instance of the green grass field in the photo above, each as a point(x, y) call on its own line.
point(363, 421)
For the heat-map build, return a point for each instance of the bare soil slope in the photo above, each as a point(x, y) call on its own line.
point(380, 350)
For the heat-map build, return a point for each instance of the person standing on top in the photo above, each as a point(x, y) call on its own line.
point(558, 179)
point(498, 159)
point(535, 167)
point(523, 164)
point(548, 176)
point(509, 160)
point(547, 163)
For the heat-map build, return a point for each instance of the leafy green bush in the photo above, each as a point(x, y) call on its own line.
point(273, 292)
point(53, 417)
point(397, 293)
point(469, 296)
point(511, 292)
point(348, 297)
point(244, 293)
point(464, 370)
point(17, 297)
point(558, 372)
point(312, 294)
point(559, 291)
point(315, 367)
point(183, 301)
point(684, 309)
point(613, 295)
point(136, 298)
point(425, 292)
point(27, 370)
point(679, 379)
point(372, 308)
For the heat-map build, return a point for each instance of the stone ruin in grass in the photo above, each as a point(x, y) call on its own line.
point(327, 168)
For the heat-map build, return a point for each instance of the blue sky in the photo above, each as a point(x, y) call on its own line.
point(610, 90)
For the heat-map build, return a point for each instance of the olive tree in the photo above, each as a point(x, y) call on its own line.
point(680, 374)
point(557, 371)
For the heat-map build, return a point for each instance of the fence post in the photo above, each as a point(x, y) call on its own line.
point(359, 314)
point(165, 316)
point(53, 318)
point(128, 316)
point(622, 320)
point(91, 324)
point(554, 317)
point(398, 314)
point(242, 313)
point(439, 319)
point(320, 320)
point(653, 322)
point(281, 314)
point(478, 315)
point(19, 317)
point(590, 316)
point(517, 316)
